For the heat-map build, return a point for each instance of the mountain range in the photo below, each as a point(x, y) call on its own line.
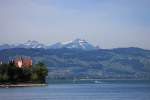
point(119, 63)
point(75, 44)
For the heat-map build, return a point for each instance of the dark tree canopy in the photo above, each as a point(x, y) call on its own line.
point(9, 73)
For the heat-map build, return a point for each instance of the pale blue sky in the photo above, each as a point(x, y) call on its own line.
point(107, 23)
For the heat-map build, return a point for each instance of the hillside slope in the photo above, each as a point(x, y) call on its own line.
point(103, 63)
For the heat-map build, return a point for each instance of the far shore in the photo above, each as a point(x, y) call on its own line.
point(117, 79)
point(23, 85)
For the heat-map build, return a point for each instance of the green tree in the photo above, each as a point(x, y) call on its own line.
point(41, 71)
point(5, 78)
point(27, 72)
point(34, 77)
point(10, 73)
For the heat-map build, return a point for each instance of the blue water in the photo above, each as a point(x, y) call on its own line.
point(101, 91)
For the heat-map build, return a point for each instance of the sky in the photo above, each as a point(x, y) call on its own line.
point(107, 23)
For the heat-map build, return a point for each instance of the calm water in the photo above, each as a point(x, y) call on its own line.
point(99, 91)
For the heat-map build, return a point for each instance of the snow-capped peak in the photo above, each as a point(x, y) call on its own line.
point(79, 44)
point(31, 44)
point(75, 44)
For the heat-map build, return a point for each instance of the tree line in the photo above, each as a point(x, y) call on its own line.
point(10, 73)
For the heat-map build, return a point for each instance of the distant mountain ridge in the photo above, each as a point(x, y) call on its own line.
point(31, 44)
point(75, 44)
point(80, 59)
point(119, 63)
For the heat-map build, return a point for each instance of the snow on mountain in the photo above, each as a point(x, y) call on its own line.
point(31, 44)
point(75, 44)
point(79, 44)
point(56, 45)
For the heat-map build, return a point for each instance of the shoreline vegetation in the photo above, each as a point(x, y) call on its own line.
point(13, 76)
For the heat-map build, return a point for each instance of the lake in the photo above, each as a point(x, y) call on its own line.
point(98, 90)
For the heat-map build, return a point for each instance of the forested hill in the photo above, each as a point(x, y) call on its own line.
point(103, 63)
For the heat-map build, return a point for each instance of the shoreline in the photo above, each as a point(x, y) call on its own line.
point(22, 85)
point(119, 79)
